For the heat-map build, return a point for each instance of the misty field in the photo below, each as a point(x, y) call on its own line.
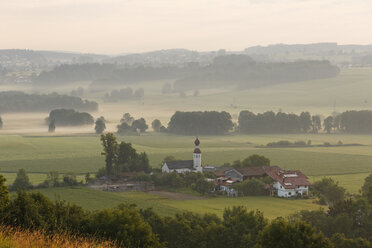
point(81, 154)
point(93, 200)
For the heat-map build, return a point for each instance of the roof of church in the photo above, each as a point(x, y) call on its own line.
point(181, 164)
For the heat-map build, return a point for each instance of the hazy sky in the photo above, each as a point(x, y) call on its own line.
point(120, 26)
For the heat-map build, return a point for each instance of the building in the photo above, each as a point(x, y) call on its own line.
point(288, 183)
point(183, 166)
point(241, 174)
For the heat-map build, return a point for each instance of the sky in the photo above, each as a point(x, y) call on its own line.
point(127, 26)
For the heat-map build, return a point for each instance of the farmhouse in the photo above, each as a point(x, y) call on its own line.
point(241, 174)
point(288, 183)
point(183, 166)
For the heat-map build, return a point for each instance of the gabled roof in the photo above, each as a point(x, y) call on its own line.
point(256, 171)
point(181, 164)
point(289, 179)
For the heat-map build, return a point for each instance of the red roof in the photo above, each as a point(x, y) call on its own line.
point(289, 179)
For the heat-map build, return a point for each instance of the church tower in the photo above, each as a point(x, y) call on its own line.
point(197, 157)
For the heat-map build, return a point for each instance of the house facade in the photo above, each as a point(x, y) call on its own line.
point(288, 183)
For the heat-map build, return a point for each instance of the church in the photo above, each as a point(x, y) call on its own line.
point(183, 166)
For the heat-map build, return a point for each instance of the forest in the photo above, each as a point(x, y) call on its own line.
point(16, 101)
point(238, 70)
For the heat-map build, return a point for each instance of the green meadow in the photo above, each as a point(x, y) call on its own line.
point(93, 200)
point(82, 154)
point(25, 143)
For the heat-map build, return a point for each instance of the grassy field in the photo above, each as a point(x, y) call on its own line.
point(25, 143)
point(93, 200)
point(81, 154)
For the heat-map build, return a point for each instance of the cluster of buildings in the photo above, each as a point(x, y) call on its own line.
point(285, 183)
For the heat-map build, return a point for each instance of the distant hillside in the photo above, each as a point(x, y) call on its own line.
point(236, 70)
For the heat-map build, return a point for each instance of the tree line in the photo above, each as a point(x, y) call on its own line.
point(68, 117)
point(238, 70)
point(16, 101)
point(346, 224)
point(124, 94)
point(270, 122)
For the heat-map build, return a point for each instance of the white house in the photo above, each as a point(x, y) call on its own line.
point(183, 166)
point(288, 183)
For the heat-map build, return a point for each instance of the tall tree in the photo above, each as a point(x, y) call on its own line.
point(100, 125)
point(52, 126)
point(328, 124)
point(156, 125)
point(4, 194)
point(22, 181)
point(110, 147)
point(127, 118)
point(1, 123)
point(316, 123)
point(305, 121)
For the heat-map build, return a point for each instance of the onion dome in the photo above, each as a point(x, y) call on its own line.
point(197, 142)
point(197, 150)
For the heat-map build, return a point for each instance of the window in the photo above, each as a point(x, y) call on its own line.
point(290, 193)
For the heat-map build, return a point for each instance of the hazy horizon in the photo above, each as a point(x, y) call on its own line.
point(114, 26)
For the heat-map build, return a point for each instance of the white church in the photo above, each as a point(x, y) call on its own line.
point(183, 166)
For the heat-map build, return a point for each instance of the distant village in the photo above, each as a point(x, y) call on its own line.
point(285, 183)
point(278, 182)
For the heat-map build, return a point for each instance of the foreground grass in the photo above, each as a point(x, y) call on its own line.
point(93, 200)
point(13, 238)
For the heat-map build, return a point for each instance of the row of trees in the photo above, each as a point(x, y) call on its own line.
point(53, 179)
point(15, 101)
point(217, 123)
point(124, 94)
point(207, 122)
point(270, 122)
point(121, 157)
point(346, 224)
point(69, 117)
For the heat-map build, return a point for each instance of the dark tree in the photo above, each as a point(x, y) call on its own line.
point(4, 194)
point(316, 123)
point(328, 191)
point(305, 121)
point(280, 233)
point(328, 124)
point(110, 148)
point(100, 125)
point(1, 123)
point(156, 125)
point(127, 118)
point(140, 124)
point(197, 123)
point(69, 117)
point(255, 160)
point(22, 182)
point(52, 126)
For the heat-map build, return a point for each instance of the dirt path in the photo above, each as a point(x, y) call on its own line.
point(176, 196)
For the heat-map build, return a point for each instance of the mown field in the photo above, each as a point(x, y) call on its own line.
point(81, 154)
point(93, 200)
